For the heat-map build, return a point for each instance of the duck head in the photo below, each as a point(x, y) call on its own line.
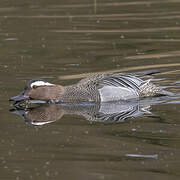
point(39, 90)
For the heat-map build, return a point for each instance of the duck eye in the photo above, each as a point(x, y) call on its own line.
point(34, 86)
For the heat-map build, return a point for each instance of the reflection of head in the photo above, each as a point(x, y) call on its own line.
point(41, 115)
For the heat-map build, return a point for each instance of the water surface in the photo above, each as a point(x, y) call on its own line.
point(63, 41)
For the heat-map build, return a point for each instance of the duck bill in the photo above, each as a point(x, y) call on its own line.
point(20, 97)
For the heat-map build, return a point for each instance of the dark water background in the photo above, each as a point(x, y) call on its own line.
point(59, 41)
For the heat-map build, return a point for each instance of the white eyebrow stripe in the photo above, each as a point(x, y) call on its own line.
point(41, 123)
point(41, 83)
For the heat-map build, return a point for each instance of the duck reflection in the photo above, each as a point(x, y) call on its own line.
point(104, 112)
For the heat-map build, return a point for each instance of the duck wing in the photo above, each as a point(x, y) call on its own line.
point(111, 87)
point(121, 80)
point(116, 80)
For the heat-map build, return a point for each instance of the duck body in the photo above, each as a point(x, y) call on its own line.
point(109, 87)
point(95, 88)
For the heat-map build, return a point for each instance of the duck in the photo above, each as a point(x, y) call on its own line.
point(94, 88)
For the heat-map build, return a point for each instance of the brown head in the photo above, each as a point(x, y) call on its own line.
point(39, 90)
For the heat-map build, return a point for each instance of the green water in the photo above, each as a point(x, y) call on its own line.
point(59, 41)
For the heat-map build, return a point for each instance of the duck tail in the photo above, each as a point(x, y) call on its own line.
point(166, 93)
point(147, 88)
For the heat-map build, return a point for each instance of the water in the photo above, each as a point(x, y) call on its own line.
point(63, 41)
